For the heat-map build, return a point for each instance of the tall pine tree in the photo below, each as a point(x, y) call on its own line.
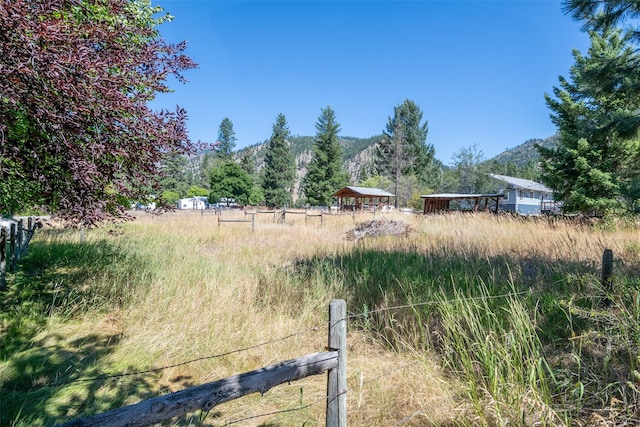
point(279, 172)
point(226, 139)
point(601, 15)
point(604, 16)
point(403, 149)
point(593, 168)
point(325, 174)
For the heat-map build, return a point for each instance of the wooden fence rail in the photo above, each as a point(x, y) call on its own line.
point(206, 396)
point(252, 221)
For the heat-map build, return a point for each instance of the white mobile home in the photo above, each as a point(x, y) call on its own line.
point(193, 203)
point(526, 197)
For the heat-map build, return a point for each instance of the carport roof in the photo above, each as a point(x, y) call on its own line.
point(362, 192)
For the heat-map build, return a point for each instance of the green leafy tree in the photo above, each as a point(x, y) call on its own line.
point(403, 149)
point(256, 196)
point(230, 181)
point(378, 181)
point(279, 172)
point(470, 171)
point(325, 174)
point(77, 135)
point(593, 168)
point(226, 139)
point(169, 197)
point(195, 191)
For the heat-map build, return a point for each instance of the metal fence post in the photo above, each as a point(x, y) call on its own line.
point(337, 377)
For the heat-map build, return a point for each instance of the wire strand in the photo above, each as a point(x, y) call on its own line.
point(315, 328)
point(148, 371)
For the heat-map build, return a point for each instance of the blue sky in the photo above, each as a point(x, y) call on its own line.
point(477, 69)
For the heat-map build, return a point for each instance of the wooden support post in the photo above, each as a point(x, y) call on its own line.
point(607, 274)
point(19, 239)
point(12, 247)
point(3, 259)
point(31, 229)
point(253, 223)
point(337, 377)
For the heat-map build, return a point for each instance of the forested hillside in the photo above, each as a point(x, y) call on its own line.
point(525, 153)
point(356, 152)
point(468, 172)
point(358, 155)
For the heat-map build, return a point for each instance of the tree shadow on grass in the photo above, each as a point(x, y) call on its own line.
point(66, 279)
point(45, 379)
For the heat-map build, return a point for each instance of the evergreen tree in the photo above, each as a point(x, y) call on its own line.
point(174, 176)
point(248, 163)
point(403, 149)
point(325, 175)
point(605, 16)
point(593, 168)
point(206, 165)
point(226, 139)
point(279, 172)
point(602, 15)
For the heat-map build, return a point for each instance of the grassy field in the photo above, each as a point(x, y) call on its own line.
point(469, 320)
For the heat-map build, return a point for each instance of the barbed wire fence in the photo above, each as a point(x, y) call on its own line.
point(347, 318)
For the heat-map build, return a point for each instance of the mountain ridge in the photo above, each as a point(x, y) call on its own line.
point(358, 155)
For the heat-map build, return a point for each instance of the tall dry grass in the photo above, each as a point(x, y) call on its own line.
point(464, 349)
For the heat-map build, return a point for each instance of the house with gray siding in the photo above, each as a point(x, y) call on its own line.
point(525, 197)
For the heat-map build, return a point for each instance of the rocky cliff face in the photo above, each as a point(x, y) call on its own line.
point(357, 155)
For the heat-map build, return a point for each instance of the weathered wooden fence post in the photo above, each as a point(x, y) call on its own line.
point(3, 259)
point(19, 239)
point(607, 274)
point(12, 247)
point(337, 377)
point(31, 229)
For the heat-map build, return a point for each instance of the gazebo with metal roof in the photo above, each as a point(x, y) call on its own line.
point(362, 198)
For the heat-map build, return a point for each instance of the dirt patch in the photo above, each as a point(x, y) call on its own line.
point(379, 228)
